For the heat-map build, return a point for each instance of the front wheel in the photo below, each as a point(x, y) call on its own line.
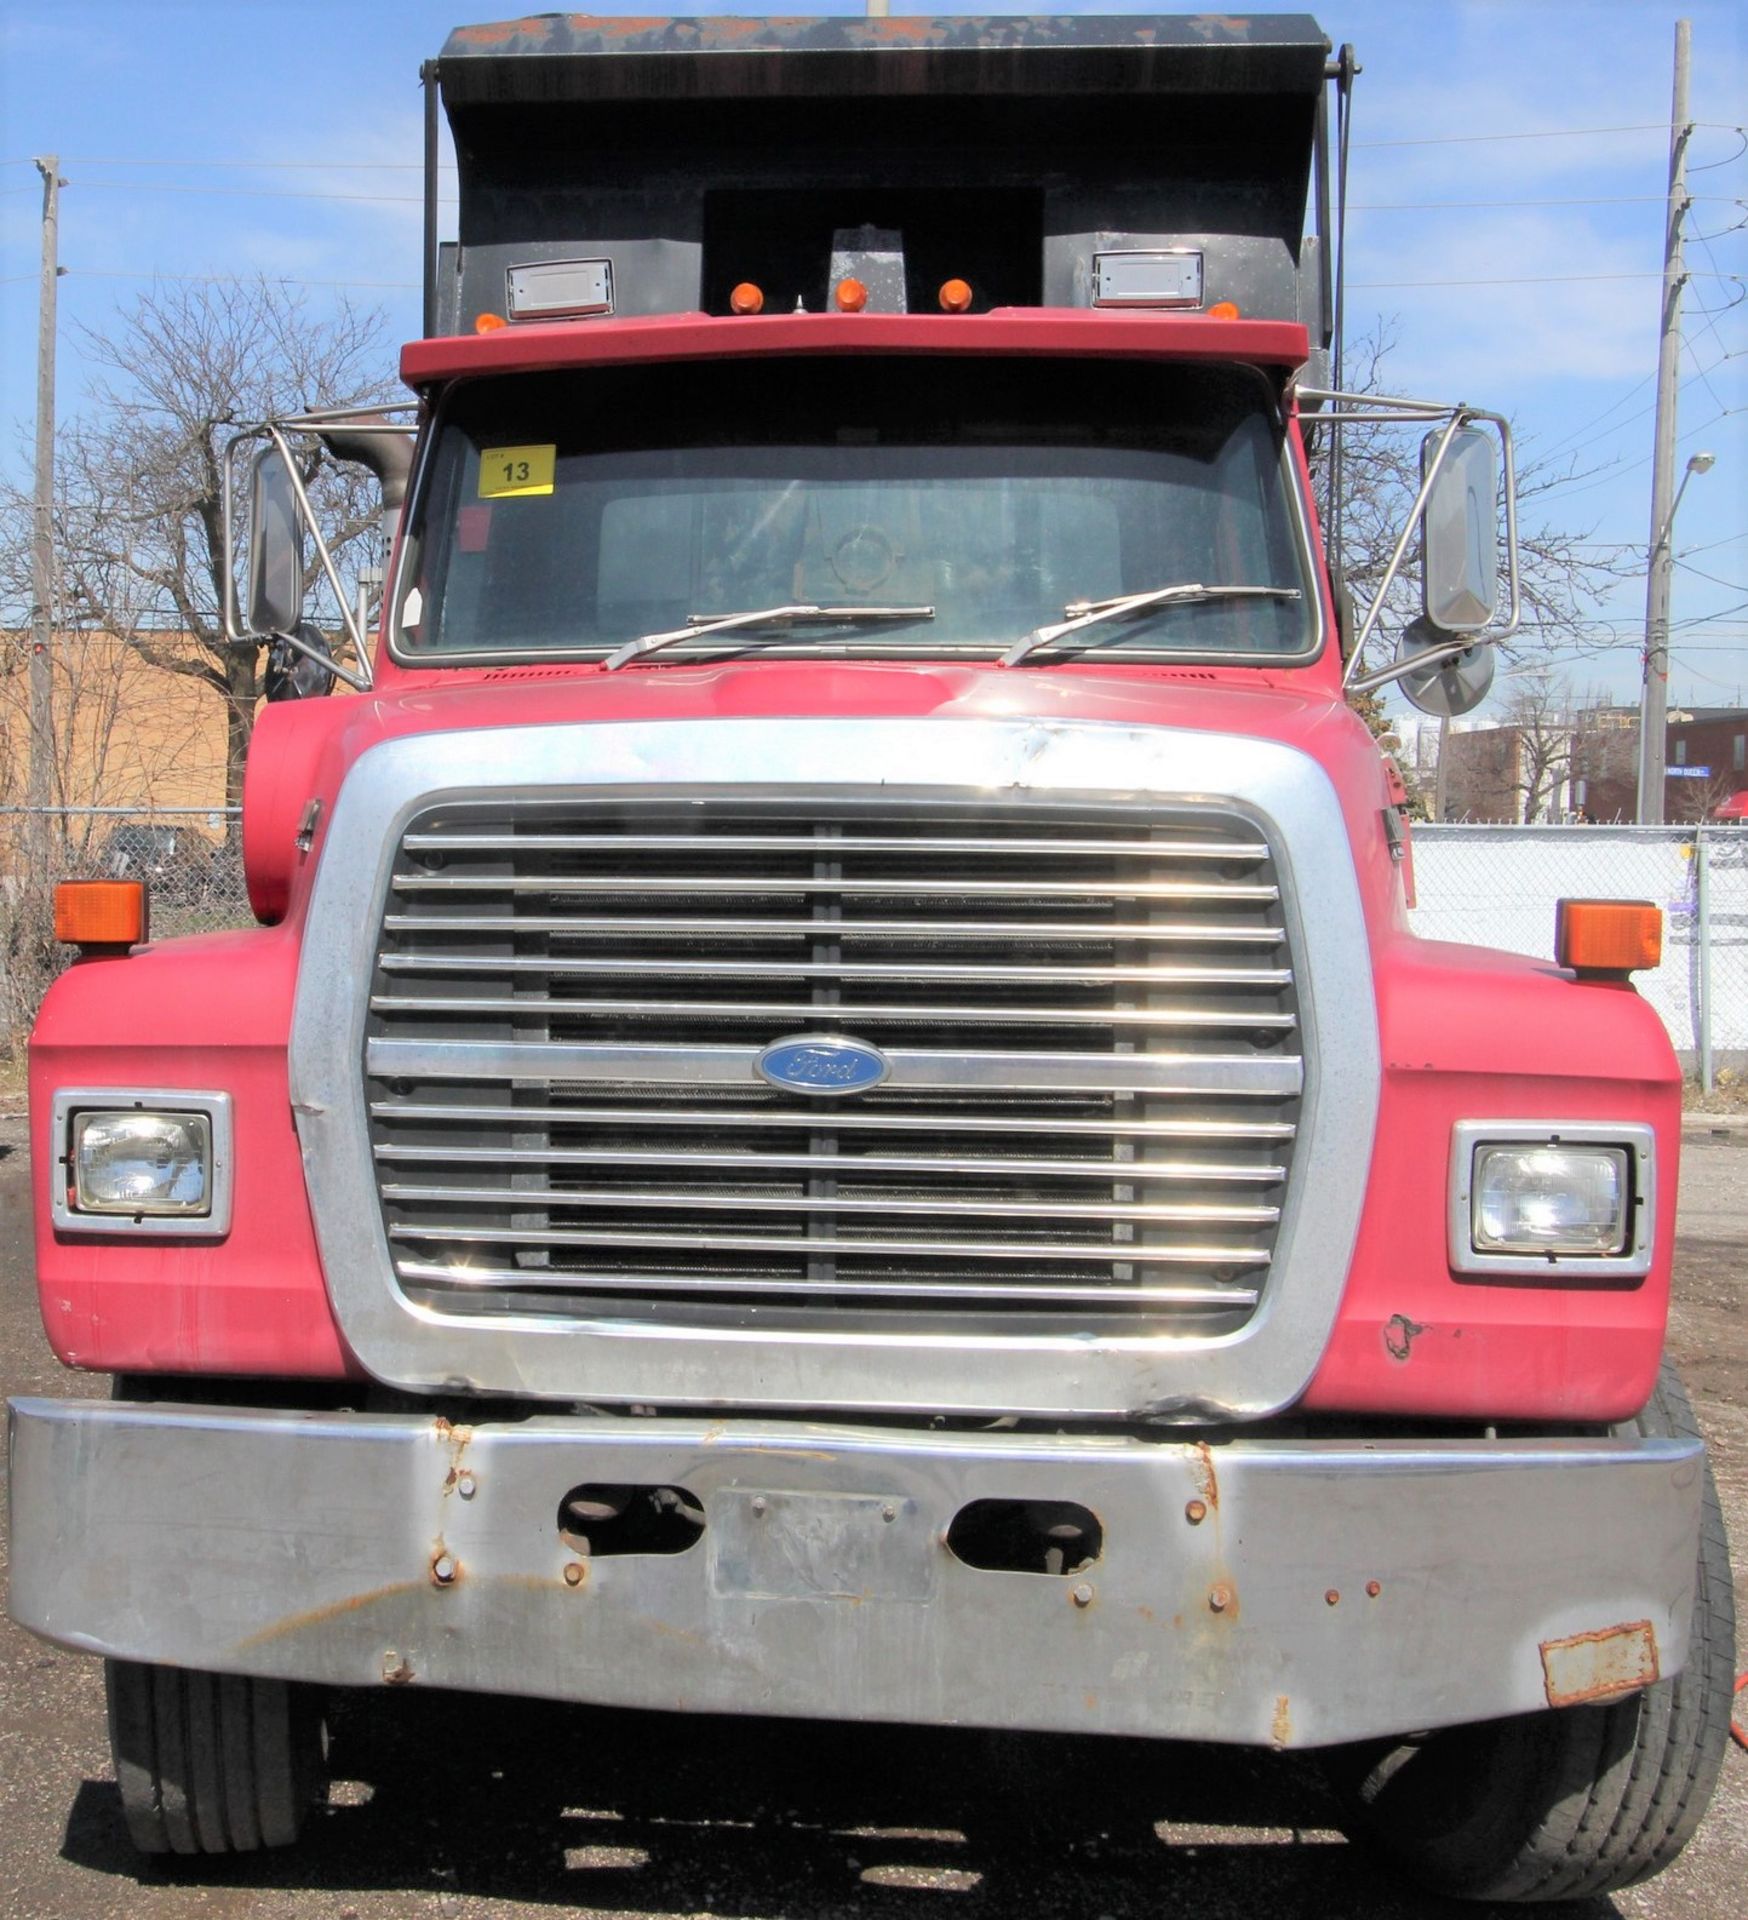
point(211, 1762)
point(1572, 1803)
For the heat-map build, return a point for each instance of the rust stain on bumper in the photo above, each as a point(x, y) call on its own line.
point(1600, 1665)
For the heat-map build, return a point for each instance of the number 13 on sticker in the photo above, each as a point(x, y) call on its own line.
point(507, 472)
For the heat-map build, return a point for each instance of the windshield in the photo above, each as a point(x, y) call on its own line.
point(566, 514)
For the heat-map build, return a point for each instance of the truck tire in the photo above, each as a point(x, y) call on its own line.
point(1579, 1801)
point(211, 1762)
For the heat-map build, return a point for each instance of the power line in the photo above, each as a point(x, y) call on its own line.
point(259, 193)
point(1541, 133)
point(1620, 426)
point(234, 279)
point(1533, 280)
point(1735, 586)
point(195, 163)
point(1598, 200)
point(1615, 472)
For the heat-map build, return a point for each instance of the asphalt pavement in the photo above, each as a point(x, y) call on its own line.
point(450, 1806)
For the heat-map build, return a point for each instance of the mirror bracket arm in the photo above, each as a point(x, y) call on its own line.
point(1433, 657)
point(360, 649)
point(1374, 409)
point(1458, 420)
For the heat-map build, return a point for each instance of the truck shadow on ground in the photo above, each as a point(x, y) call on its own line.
point(636, 1813)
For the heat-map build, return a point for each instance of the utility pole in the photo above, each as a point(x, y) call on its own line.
point(42, 617)
point(1654, 701)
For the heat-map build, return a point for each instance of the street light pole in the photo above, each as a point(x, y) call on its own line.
point(1654, 700)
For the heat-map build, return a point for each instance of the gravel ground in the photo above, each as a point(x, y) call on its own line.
point(457, 1807)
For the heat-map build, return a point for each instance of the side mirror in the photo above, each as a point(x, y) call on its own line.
point(275, 599)
point(1460, 554)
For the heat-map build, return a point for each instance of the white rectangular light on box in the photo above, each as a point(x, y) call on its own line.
point(1157, 277)
point(1577, 1197)
point(136, 1160)
point(559, 290)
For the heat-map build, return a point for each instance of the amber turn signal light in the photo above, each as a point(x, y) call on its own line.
point(1615, 937)
point(101, 913)
point(955, 296)
point(850, 295)
point(488, 322)
point(1223, 310)
point(747, 298)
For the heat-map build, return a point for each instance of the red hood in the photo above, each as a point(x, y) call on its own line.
point(302, 752)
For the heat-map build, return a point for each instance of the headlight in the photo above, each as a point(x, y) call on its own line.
point(1550, 1199)
point(142, 1163)
point(1576, 1197)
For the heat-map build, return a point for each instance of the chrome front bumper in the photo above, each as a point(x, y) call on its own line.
point(1328, 1590)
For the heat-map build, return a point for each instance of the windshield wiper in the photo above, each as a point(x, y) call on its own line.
point(700, 624)
point(1090, 613)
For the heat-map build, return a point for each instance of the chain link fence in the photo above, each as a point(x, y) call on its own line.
point(1484, 885)
point(1495, 886)
point(192, 858)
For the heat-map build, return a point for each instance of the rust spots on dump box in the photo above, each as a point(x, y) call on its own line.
point(456, 1439)
point(1281, 1726)
point(1202, 1470)
point(1600, 1665)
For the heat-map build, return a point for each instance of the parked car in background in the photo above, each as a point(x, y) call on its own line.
point(175, 859)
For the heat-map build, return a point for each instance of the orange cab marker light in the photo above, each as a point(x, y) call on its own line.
point(850, 295)
point(1615, 937)
point(955, 296)
point(1224, 310)
point(747, 298)
point(488, 322)
point(100, 913)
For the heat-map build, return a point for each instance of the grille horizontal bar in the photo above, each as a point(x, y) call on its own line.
point(658, 1064)
point(535, 1279)
point(702, 926)
point(1078, 849)
point(1088, 1017)
point(558, 966)
point(850, 1119)
point(771, 885)
point(689, 1159)
point(735, 1201)
point(923, 1013)
point(1099, 1254)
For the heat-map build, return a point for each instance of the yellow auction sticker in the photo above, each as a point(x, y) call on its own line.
point(506, 472)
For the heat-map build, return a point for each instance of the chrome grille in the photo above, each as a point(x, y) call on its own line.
point(1089, 1012)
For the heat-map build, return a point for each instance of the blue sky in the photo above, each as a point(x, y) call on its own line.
point(282, 136)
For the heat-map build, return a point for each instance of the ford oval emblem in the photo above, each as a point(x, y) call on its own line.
point(822, 1063)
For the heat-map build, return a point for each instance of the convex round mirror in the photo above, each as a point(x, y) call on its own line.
point(1448, 688)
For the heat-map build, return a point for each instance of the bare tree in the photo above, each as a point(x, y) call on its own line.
point(1539, 711)
point(138, 535)
point(1562, 575)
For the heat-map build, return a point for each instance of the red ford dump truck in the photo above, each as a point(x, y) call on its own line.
point(833, 1112)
